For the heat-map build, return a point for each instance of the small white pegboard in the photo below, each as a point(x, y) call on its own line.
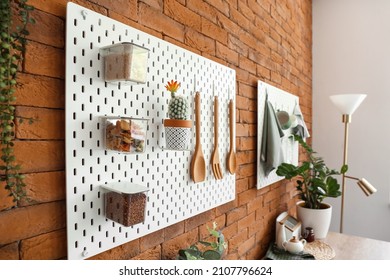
point(280, 100)
point(172, 196)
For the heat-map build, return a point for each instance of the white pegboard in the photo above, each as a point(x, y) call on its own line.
point(172, 196)
point(280, 100)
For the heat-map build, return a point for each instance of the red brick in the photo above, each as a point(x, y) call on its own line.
point(256, 253)
point(47, 123)
point(262, 212)
point(151, 254)
point(9, 252)
point(242, 75)
point(173, 230)
point(58, 7)
point(157, 4)
point(247, 64)
point(182, 14)
point(241, 185)
point(198, 220)
point(255, 227)
point(247, 143)
point(123, 252)
point(226, 53)
point(276, 78)
point(47, 246)
point(230, 231)
point(237, 17)
point(246, 11)
point(255, 203)
point(51, 64)
point(248, 117)
point(199, 41)
point(205, 10)
point(6, 201)
point(40, 156)
point(45, 187)
point(225, 207)
point(246, 196)
point(232, 256)
point(155, 19)
point(242, 103)
point(245, 157)
point(271, 196)
point(171, 247)
point(42, 218)
point(48, 29)
point(221, 6)
point(124, 7)
point(40, 91)
point(247, 221)
point(248, 39)
point(151, 240)
point(236, 241)
point(246, 129)
point(237, 45)
point(246, 170)
point(214, 31)
point(235, 215)
point(246, 246)
point(230, 26)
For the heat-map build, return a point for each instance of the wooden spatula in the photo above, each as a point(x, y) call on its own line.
point(231, 157)
point(198, 163)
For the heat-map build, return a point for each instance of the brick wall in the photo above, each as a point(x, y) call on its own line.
point(264, 39)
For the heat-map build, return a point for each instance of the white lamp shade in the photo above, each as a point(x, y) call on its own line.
point(347, 103)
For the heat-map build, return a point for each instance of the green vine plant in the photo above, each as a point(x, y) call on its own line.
point(14, 19)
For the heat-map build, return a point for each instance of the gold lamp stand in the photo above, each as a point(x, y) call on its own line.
point(347, 104)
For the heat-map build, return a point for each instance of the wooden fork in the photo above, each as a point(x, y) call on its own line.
point(215, 163)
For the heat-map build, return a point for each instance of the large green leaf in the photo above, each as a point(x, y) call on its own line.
point(211, 255)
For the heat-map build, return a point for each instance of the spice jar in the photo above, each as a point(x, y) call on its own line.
point(124, 134)
point(309, 234)
point(125, 62)
point(125, 203)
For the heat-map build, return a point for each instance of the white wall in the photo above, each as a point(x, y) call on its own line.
point(351, 54)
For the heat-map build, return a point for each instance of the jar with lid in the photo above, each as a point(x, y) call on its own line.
point(309, 234)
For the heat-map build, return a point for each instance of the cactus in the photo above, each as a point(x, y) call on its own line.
point(178, 105)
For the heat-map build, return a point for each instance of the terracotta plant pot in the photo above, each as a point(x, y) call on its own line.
point(177, 134)
point(318, 219)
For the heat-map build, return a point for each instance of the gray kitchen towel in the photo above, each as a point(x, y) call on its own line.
point(301, 128)
point(271, 144)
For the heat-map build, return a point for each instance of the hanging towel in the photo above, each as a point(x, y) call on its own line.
point(301, 128)
point(271, 144)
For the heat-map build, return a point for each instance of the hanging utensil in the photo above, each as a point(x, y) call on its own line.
point(231, 162)
point(215, 163)
point(198, 164)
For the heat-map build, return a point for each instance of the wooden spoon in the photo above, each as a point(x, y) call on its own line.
point(231, 157)
point(198, 163)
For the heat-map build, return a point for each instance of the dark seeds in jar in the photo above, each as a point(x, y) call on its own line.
point(126, 209)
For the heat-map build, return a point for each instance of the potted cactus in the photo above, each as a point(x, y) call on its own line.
point(178, 126)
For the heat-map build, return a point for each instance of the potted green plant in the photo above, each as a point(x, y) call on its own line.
point(315, 181)
point(206, 250)
point(178, 126)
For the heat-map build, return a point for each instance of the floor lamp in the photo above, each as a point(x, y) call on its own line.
point(347, 104)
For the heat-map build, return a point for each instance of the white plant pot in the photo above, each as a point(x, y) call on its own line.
point(177, 134)
point(318, 219)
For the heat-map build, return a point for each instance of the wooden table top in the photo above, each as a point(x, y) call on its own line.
point(349, 247)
